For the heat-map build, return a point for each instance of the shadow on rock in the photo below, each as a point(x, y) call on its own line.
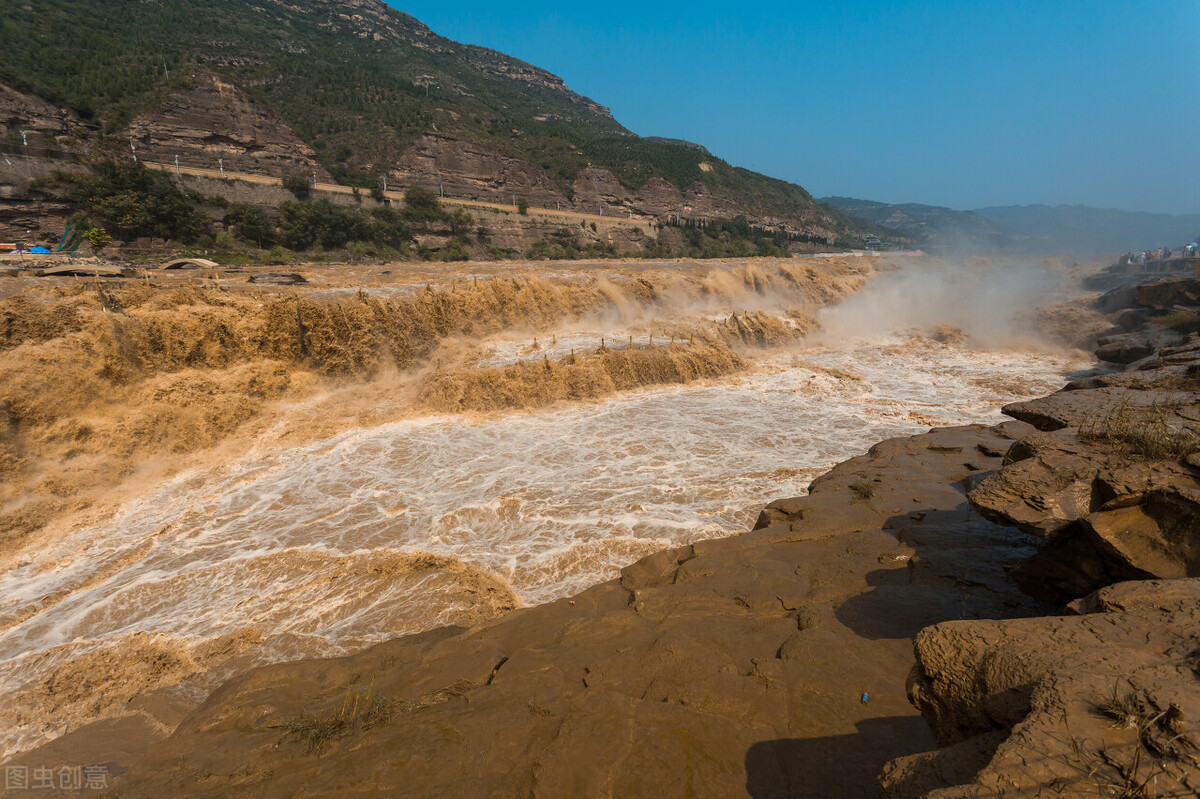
point(951, 564)
point(833, 766)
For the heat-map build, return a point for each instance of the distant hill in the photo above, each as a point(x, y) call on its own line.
point(358, 91)
point(1079, 228)
point(1030, 229)
point(931, 227)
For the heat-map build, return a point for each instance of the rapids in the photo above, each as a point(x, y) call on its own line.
point(327, 547)
point(204, 477)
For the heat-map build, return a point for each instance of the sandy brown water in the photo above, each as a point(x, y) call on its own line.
point(368, 526)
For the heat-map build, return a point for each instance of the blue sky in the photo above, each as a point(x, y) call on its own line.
point(964, 104)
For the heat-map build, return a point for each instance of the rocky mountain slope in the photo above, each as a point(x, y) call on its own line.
point(356, 90)
point(932, 227)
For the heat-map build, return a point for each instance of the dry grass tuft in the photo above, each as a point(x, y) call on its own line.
point(862, 489)
point(1143, 432)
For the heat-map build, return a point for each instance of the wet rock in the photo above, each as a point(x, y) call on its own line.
point(1148, 595)
point(278, 278)
point(1126, 348)
point(1079, 407)
point(1045, 484)
point(1103, 515)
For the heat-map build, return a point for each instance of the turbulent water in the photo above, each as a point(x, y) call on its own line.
point(396, 528)
point(438, 456)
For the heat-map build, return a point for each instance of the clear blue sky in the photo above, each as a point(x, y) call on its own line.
point(965, 104)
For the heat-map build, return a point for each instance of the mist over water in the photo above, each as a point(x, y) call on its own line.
point(989, 302)
point(377, 531)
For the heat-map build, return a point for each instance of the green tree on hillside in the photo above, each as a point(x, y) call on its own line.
point(298, 185)
point(251, 223)
point(98, 238)
point(132, 201)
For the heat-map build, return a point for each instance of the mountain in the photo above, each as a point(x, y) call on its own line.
point(356, 91)
point(931, 227)
point(1025, 229)
point(1079, 228)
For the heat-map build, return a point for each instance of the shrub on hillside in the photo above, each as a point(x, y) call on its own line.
point(298, 185)
point(251, 223)
point(131, 201)
point(322, 224)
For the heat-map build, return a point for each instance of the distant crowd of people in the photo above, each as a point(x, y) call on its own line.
point(1161, 254)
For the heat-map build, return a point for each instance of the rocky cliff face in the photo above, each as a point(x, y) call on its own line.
point(20, 111)
point(470, 171)
point(31, 212)
point(214, 123)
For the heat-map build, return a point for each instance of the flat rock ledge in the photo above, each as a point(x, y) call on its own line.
point(1102, 701)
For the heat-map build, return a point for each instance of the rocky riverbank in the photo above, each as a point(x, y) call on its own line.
point(1103, 701)
point(781, 662)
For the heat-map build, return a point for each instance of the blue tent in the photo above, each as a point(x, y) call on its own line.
point(39, 251)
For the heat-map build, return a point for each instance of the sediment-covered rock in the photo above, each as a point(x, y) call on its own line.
point(1112, 480)
point(1103, 702)
point(1095, 704)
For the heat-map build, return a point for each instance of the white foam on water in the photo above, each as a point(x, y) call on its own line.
point(550, 501)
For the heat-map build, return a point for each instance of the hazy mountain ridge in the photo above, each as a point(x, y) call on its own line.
point(1025, 228)
point(931, 227)
point(1081, 228)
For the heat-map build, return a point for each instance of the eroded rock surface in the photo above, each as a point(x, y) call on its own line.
point(1111, 481)
point(214, 124)
point(1103, 702)
point(1076, 706)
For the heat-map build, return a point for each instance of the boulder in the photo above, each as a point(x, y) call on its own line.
point(278, 278)
point(1084, 703)
point(1125, 348)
